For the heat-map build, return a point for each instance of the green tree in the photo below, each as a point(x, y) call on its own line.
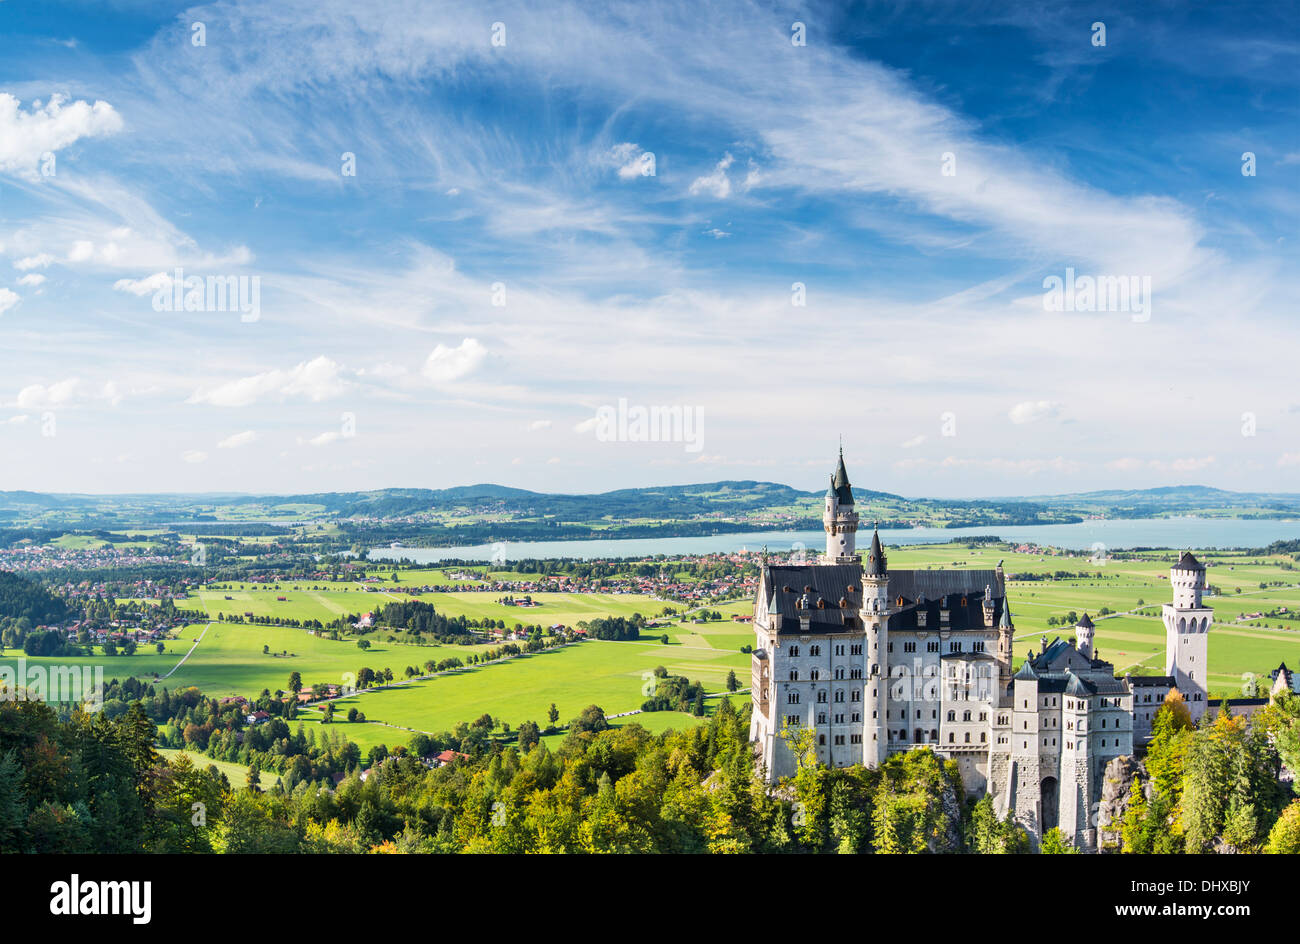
point(1284, 839)
point(1054, 843)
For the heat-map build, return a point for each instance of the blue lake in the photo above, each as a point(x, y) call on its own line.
point(1113, 534)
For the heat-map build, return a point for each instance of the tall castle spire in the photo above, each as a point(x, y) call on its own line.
point(839, 519)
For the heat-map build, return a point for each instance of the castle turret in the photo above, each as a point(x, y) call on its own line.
point(1006, 632)
point(1083, 635)
point(875, 622)
point(839, 519)
point(1187, 623)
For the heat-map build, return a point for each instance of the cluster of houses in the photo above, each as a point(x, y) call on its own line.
point(119, 632)
point(34, 558)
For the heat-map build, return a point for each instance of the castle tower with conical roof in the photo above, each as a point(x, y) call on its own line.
point(839, 519)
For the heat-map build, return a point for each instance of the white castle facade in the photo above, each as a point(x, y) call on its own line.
point(877, 661)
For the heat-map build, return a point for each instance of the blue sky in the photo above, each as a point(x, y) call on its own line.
point(502, 266)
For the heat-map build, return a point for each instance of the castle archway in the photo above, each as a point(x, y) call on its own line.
point(1051, 800)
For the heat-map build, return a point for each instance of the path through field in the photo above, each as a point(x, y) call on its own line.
point(206, 626)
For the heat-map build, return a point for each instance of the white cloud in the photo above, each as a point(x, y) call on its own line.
point(538, 425)
point(146, 286)
point(324, 439)
point(32, 279)
point(1030, 411)
point(718, 184)
point(913, 442)
point(238, 439)
point(1288, 459)
point(39, 396)
point(64, 393)
point(25, 136)
point(194, 456)
point(586, 425)
point(315, 380)
point(629, 159)
point(8, 299)
point(33, 262)
point(446, 364)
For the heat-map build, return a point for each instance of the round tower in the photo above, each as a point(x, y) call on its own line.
point(1187, 622)
point(839, 520)
point(1083, 635)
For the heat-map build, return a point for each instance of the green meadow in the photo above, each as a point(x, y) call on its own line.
point(614, 675)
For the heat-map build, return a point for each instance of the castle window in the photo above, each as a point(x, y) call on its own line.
point(821, 739)
point(814, 650)
point(909, 647)
point(794, 675)
point(920, 736)
point(967, 737)
point(965, 716)
point(983, 737)
point(952, 716)
point(821, 698)
point(839, 696)
point(815, 674)
point(856, 696)
point(792, 698)
point(951, 737)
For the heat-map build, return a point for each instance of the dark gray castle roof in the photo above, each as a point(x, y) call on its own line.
point(831, 596)
point(876, 565)
point(965, 612)
point(1061, 667)
point(840, 483)
point(1188, 562)
point(1151, 681)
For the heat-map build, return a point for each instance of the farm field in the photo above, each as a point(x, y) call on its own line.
point(238, 776)
point(340, 600)
point(609, 674)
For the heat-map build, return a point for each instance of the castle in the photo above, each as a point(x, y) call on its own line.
point(877, 661)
